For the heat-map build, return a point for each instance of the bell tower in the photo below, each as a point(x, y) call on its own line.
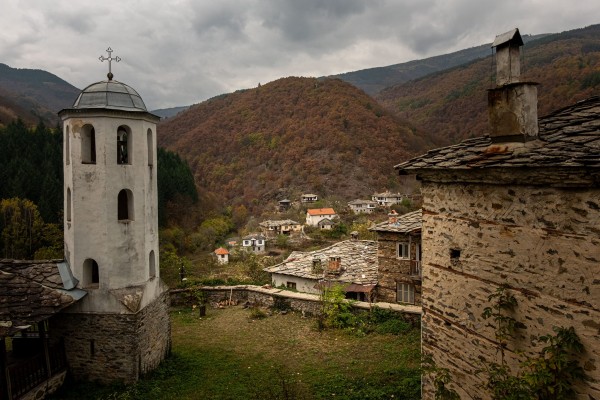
point(111, 233)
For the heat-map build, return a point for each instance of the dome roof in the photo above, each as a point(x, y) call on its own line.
point(112, 95)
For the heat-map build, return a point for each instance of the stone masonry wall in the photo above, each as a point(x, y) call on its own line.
point(114, 347)
point(392, 269)
point(542, 242)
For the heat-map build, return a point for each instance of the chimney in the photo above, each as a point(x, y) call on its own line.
point(392, 217)
point(335, 265)
point(512, 105)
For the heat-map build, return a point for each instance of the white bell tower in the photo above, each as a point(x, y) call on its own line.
point(111, 223)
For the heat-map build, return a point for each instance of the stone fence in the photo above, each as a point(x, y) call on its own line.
point(279, 299)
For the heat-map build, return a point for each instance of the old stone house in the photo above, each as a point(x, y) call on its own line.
point(314, 215)
point(399, 258)
point(273, 228)
point(521, 208)
point(309, 198)
point(362, 206)
point(351, 263)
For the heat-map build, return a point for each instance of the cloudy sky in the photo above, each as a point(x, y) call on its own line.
point(180, 52)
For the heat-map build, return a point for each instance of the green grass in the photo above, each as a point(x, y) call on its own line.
point(228, 355)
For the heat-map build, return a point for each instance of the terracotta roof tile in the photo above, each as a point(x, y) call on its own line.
point(320, 211)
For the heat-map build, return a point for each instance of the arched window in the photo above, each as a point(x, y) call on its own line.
point(125, 205)
point(124, 145)
point(150, 147)
point(91, 274)
point(152, 264)
point(67, 145)
point(88, 145)
point(68, 204)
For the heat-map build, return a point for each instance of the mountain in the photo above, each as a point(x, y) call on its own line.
point(33, 95)
point(452, 105)
point(169, 112)
point(290, 136)
point(374, 80)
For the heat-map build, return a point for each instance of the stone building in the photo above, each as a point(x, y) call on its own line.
point(273, 228)
point(121, 329)
point(362, 206)
point(399, 258)
point(521, 208)
point(351, 263)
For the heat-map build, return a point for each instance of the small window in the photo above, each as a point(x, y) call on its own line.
point(88, 145)
point(123, 145)
point(291, 285)
point(152, 264)
point(125, 205)
point(403, 250)
point(405, 293)
point(68, 204)
point(150, 147)
point(67, 145)
point(91, 275)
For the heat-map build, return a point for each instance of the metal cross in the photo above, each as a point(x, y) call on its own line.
point(109, 59)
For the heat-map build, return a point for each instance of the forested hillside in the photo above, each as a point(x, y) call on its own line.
point(33, 94)
point(291, 136)
point(31, 191)
point(452, 105)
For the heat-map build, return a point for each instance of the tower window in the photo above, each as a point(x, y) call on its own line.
point(125, 205)
point(88, 145)
point(123, 145)
point(150, 147)
point(68, 204)
point(67, 145)
point(91, 275)
point(152, 264)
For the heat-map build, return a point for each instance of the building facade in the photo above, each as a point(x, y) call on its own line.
point(518, 209)
point(315, 215)
point(399, 258)
point(362, 206)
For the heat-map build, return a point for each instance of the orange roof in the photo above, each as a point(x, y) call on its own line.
point(221, 251)
point(321, 211)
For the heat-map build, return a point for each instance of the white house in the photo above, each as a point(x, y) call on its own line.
point(362, 206)
point(387, 199)
point(351, 263)
point(314, 215)
point(309, 198)
point(254, 243)
point(222, 255)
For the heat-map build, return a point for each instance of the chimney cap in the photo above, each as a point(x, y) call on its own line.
point(506, 38)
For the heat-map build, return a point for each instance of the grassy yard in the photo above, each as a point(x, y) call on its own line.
point(227, 355)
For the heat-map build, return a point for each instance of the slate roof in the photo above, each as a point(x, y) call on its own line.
point(273, 223)
point(358, 262)
point(30, 292)
point(407, 223)
point(569, 137)
point(359, 202)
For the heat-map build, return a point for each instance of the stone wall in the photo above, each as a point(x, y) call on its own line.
point(114, 347)
point(544, 243)
point(392, 269)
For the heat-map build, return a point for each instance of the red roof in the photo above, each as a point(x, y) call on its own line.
point(321, 211)
point(221, 251)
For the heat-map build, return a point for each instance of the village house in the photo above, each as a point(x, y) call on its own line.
point(254, 243)
point(309, 198)
point(287, 227)
point(314, 215)
point(222, 255)
point(362, 206)
point(325, 224)
point(399, 258)
point(284, 205)
point(518, 208)
point(387, 198)
point(351, 263)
